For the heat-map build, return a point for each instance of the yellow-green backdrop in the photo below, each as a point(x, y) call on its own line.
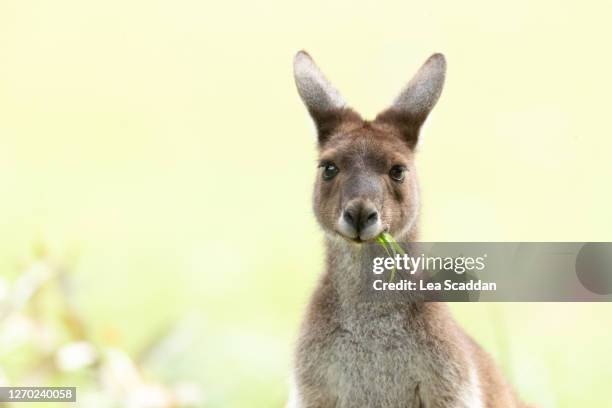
point(165, 144)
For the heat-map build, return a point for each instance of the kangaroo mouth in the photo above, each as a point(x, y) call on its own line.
point(360, 237)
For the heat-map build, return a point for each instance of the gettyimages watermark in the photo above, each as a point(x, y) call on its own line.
point(489, 272)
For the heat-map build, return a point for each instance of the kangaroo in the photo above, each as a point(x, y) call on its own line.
point(354, 353)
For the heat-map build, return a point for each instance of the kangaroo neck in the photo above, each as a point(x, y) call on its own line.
point(345, 270)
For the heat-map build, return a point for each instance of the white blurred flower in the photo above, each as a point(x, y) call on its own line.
point(76, 355)
point(149, 396)
point(122, 379)
point(17, 329)
point(188, 394)
point(119, 374)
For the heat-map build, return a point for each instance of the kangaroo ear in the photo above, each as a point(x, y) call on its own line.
point(417, 99)
point(324, 103)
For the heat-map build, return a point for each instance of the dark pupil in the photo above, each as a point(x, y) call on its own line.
point(330, 171)
point(397, 173)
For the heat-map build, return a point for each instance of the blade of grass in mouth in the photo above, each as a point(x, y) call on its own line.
point(389, 244)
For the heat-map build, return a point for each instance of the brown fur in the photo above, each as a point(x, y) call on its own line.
point(385, 354)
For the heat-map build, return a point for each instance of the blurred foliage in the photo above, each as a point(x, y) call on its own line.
point(46, 341)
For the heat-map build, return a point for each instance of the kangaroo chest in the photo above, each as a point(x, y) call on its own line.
point(372, 361)
point(355, 352)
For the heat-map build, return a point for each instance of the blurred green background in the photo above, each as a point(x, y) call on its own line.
point(157, 154)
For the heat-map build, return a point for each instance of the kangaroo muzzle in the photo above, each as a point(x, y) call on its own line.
point(360, 220)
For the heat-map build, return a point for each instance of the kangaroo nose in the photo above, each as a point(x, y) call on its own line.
point(360, 216)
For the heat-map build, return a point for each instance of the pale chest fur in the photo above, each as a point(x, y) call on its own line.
point(369, 362)
point(378, 362)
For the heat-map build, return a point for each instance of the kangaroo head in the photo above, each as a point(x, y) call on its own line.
point(367, 181)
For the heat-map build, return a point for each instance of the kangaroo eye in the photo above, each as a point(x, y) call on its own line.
point(397, 173)
point(329, 171)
